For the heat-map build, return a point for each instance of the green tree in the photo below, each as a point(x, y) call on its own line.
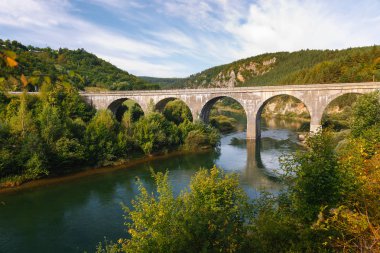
point(101, 137)
point(155, 133)
point(177, 112)
point(366, 113)
point(315, 179)
point(70, 152)
point(209, 217)
point(136, 113)
point(198, 135)
point(22, 122)
point(50, 124)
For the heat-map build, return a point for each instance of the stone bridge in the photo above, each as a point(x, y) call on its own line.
point(316, 98)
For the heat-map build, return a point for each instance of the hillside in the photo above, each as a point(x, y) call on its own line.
point(165, 83)
point(93, 71)
point(301, 67)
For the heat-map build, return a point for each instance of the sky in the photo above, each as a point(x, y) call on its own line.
point(177, 38)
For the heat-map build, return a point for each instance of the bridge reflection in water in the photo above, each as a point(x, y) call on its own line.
point(258, 160)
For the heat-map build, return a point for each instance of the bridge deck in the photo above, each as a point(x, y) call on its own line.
point(303, 87)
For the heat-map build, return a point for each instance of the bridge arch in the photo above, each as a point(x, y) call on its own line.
point(160, 105)
point(206, 108)
point(117, 108)
point(323, 102)
point(221, 122)
point(265, 102)
point(341, 103)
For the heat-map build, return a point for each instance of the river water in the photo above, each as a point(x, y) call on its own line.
point(73, 216)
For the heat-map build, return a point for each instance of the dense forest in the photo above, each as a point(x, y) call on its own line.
point(38, 64)
point(330, 203)
point(301, 67)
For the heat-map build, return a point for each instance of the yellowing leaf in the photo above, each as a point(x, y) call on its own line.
point(11, 63)
point(24, 81)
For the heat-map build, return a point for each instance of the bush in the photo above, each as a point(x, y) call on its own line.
point(209, 217)
point(101, 137)
point(366, 113)
point(199, 135)
point(177, 111)
point(155, 133)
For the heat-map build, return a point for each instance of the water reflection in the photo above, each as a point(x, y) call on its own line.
point(285, 123)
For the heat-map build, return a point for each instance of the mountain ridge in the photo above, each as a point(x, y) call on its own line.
point(93, 71)
point(361, 64)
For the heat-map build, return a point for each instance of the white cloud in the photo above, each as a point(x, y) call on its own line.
point(141, 68)
point(51, 24)
point(181, 37)
point(251, 28)
point(276, 25)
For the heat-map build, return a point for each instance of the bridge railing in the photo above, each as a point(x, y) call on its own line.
point(248, 89)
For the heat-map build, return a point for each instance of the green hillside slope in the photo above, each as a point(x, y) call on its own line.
point(165, 83)
point(301, 67)
point(34, 61)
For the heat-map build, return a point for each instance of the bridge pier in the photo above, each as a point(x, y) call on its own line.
point(252, 132)
point(316, 113)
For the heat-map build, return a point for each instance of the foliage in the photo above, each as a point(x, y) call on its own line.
point(165, 83)
point(155, 132)
point(177, 112)
point(356, 222)
point(83, 68)
point(366, 113)
point(316, 180)
point(198, 135)
point(101, 136)
point(66, 134)
point(209, 217)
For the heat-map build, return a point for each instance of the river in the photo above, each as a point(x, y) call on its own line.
point(73, 216)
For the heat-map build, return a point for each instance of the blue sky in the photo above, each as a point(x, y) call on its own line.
point(176, 38)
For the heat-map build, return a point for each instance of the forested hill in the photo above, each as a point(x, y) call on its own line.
point(301, 67)
point(165, 83)
point(93, 71)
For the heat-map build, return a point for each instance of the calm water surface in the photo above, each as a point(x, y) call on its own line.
point(74, 216)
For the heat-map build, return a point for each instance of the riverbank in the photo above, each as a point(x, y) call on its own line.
point(89, 171)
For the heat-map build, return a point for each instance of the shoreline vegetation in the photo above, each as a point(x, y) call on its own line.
point(66, 135)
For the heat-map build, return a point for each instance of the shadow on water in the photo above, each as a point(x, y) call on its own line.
point(74, 216)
